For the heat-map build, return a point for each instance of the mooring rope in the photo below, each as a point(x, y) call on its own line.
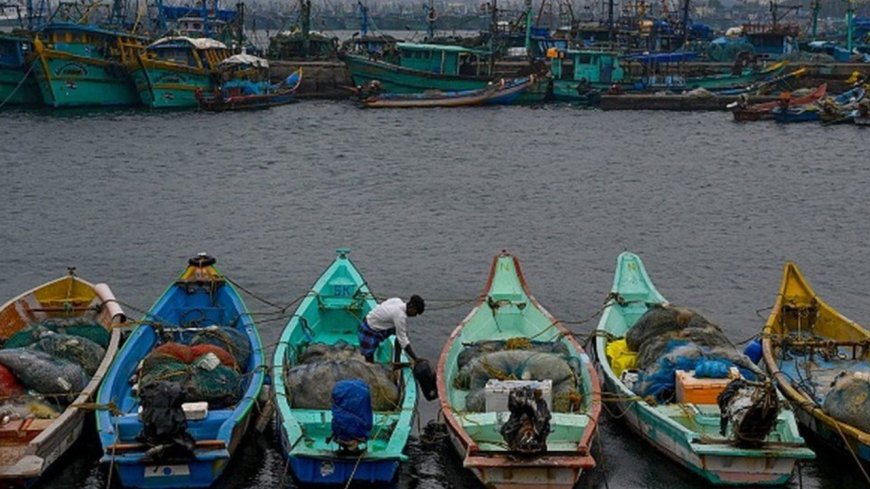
point(12, 93)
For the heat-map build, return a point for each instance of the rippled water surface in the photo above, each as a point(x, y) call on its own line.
point(425, 199)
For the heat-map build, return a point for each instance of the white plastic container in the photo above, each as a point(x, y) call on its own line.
point(496, 392)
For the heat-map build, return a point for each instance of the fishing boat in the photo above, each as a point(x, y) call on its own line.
point(79, 65)
point(30, 446)
point(688, 433)
point(17, 83)
point(507, 314)
point(200, 304)
point(501, 93)
point(762, 111)
point(171, 70)
point(587, 72)
point(329, 316)
point(419, 67)
point(845, 102)
point(245, 85)
point(806, 344)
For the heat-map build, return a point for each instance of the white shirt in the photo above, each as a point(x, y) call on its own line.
point(388, 315)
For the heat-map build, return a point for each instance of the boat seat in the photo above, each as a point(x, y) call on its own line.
point(129, 425)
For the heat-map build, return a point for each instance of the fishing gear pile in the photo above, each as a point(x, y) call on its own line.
point(311, 381)
point(751, 409)
point(518, 359)
point(849, 399)
point(164, 424)
point(529, 424)
point(352, 417)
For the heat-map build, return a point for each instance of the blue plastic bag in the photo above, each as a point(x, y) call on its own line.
point(352, 417)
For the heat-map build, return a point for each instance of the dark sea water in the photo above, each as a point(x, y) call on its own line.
point(425, 199)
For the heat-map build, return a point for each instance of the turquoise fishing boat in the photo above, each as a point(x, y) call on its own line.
point(79, 65)
point(688, 433)
point(200, 308)
point(17, 83)
point(171, 70)
point(330, 316)
point(577, 74)
point(524, 342)
point(417, 68)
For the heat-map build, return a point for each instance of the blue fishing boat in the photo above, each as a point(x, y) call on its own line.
point(202, 309)
point(246, 86)
point(329, 318)
point(815, 111)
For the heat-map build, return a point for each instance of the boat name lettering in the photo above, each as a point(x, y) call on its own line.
point(343, 290)
point(72, 69)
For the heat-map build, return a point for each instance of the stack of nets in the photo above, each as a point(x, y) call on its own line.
point(207, 372)
point(518, 359)
point(54, 359)
point(849, 399)
point(321, 366)
point(668, 339)
point(230, 339)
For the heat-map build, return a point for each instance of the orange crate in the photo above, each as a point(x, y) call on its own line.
point(701, 391)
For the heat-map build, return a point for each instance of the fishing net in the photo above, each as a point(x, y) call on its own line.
point(220, 386)
point(10, 386)
point(76, 349)
point(659, 379)
point(340, 350)
point(204, 381)
point(230, 339)
point(27, 409)
point(41, 372)
point(310, 384)
point(224, 356)
point(849, 399)
point(474, 350)
point(562, 370)
point(31, 334)
point(181, 352)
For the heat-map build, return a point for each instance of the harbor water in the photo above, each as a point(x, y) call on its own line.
point(425, 199)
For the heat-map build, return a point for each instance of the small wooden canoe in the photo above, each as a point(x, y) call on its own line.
point(799, 315)
point(687, 433)
point(30, 446)
point(507, 311)
point(332, 312)
point(763, 111)
point(500, 93)
point(200, 298)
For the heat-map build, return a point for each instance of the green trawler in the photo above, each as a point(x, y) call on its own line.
point(17, 84)
point(79, 65)
point(576, 73)
point(171, 70)
point(417, 67)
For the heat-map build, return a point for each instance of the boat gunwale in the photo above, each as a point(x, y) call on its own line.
point(472, 450)
point(791, 273)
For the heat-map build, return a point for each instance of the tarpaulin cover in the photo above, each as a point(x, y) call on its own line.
point(352, 417)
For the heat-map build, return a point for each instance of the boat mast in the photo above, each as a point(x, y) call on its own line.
point(305, 24)
point(528, 27)
point(493, 32)
point(686, 22)
point(363, 19)
point(817, 7)
point(610, 20)
point(850, 13)
point(430, 20)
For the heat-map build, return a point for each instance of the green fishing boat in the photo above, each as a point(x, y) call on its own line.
point(17, 83)
point(78, 65)
point(171, 70)
point(577, 74)
point(328, 318)
point(509, 335)
point(416, 68)
point(688, 432)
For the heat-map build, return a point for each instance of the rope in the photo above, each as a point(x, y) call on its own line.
point(21, 82)
point(264, 300)
point(854, 456)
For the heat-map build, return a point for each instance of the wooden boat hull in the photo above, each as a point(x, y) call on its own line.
point(199, 298)
point(18, 87)
point(75, 81)
point(491, 95)
point(796, 297)
point(41, 442)
point(684, 432)
point(397, 79)
point(569, 446)
point(245, 102)
point(333, 313)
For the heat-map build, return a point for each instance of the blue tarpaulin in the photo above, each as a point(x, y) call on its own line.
point(352, 417)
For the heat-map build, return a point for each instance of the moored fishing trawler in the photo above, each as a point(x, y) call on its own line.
point(170, 71)
point(17, 83)
point(80, 65)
